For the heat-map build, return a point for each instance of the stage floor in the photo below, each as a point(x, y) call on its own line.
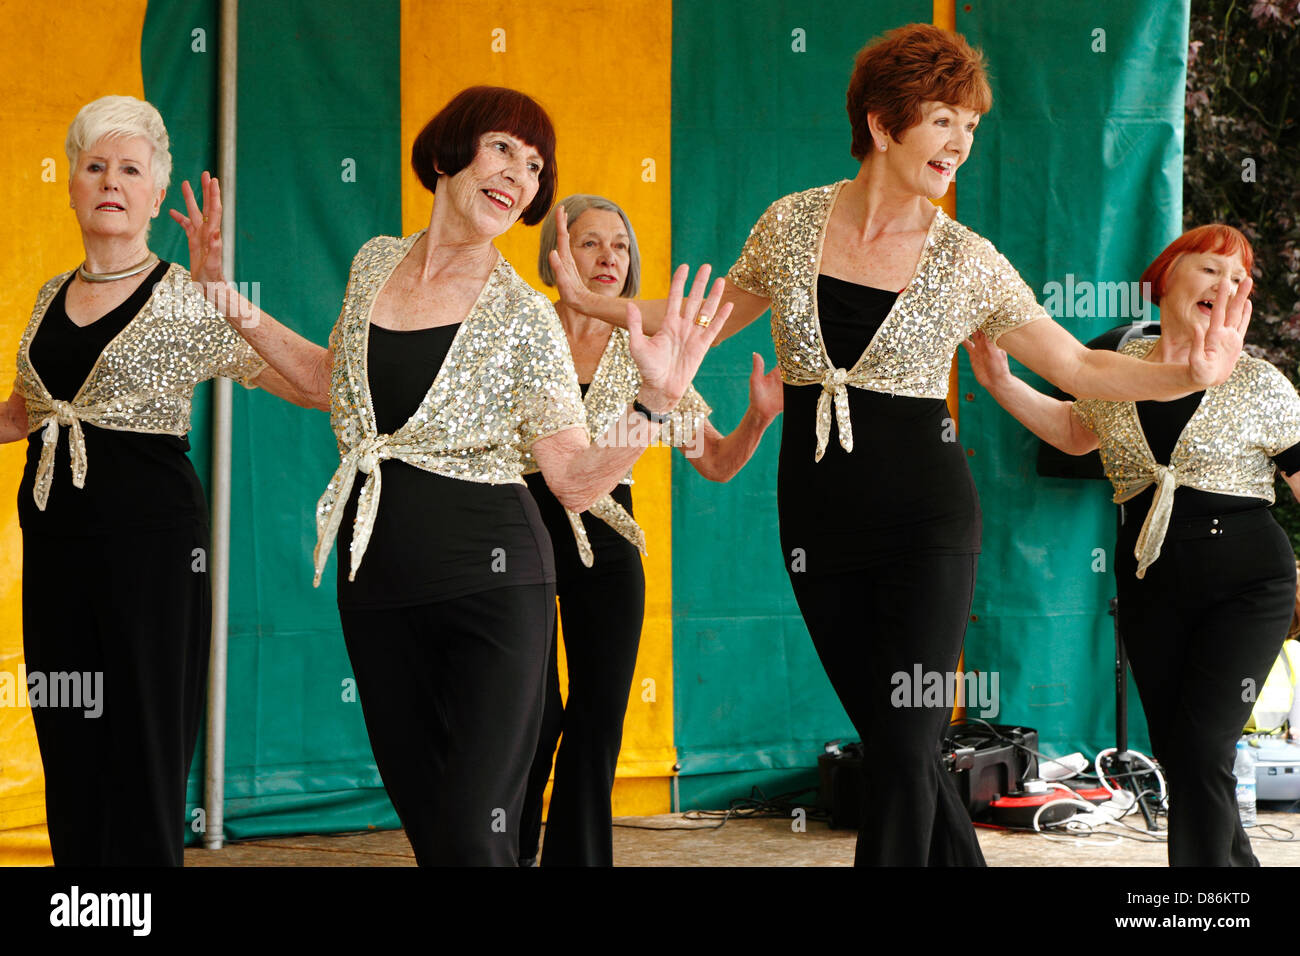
point(672, 840)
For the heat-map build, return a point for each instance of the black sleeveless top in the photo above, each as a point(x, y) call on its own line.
point(906, 486)
point(134, 481)
point(435, 538)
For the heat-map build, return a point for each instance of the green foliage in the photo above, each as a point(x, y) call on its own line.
point(1243, 69)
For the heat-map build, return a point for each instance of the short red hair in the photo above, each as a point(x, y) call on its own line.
point(1215, 238)
point(894, 74)
point(450, 140)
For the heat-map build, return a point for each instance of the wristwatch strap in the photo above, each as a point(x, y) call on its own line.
point(655, 417)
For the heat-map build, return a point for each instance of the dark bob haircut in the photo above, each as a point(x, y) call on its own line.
point(450, 140)
point(894, 74)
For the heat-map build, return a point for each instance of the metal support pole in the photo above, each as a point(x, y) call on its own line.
point(214, 783)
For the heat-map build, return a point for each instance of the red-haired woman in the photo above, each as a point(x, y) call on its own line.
point(1194, 478)
point(871, 289)
point(443, 370)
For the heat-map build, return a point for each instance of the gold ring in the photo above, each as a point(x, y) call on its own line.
point(205, 218)
point(703, 320)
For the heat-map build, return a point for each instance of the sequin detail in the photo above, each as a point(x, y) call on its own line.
point(143, 380)
point(507, 381)
point(962, 283)
point(1225, 447)
point(613, 387)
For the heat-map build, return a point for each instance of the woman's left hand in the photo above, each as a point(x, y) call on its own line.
point(766, 392)
point(1215, 350)
point(203, 231)
point(669, 359)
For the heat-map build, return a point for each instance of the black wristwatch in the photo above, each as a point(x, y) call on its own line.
point(655, 417)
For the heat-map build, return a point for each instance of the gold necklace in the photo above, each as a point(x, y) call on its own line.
point(126, 273)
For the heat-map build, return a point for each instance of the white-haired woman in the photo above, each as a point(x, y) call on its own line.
point(117, 654)
point(599, 579)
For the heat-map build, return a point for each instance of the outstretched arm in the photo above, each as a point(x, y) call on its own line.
point(745, 307)
point(300, 369)
point(1048, 418)
point(719, 457)
point(1050, 351)
point(577, 472)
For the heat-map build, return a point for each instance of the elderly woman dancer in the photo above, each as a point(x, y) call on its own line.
point(599, 579)
point(888, 538)
point(443, 370)
point(106, 371)
point(1206, 577)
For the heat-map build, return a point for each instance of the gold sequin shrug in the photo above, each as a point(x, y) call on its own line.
point(507, 381)
point(613, 387)
point(1225, 447)
point(143, 380)
point(961, 284)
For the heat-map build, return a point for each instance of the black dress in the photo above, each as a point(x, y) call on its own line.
point(881, 546)
point(124, 665)
point(1209, 616)
point(447, 625)
point(602, 609)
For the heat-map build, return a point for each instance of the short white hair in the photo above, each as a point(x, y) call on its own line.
point(127, 117)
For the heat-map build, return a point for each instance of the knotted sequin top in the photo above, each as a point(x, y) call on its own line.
point(1225, 447)
point(507, 381)
point(961, 284)
point(144, 379)
point(613, 387)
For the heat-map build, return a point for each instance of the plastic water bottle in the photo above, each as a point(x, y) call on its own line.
point(1244, 770)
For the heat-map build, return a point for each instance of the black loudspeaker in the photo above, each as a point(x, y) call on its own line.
point(989, 761)
point(984, 766)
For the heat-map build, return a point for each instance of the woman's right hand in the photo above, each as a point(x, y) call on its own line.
point(987, 361)
point(203, 231)
point(568, 280)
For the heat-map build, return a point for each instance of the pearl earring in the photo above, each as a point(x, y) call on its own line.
point(882, 147)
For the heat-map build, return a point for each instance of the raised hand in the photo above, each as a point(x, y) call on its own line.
point(987, 361)
point(669, 359)
point(766, 392)
point(1215, 349)
point(568, 280)
point(203, 231)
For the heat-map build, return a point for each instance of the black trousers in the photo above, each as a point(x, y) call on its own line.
point(602, 609)
point(1203, 626)
point(140, 617)
point(452, 696)
point(868, 626)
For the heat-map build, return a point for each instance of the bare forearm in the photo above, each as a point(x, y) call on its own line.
point(581, 479)
point(303, 365)
point(614, 311)
point(725, 455)
point(1121, 378)
point(1048, 418)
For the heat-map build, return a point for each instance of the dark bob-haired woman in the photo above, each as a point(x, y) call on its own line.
point(443, 369)
point(871, 289)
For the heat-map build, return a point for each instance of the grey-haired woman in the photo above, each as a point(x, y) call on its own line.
point(599, 579)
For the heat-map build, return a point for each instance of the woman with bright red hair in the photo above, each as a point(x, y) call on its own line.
point(1206, 577)
point(871, 289)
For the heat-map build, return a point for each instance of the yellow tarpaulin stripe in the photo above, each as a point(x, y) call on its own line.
point(605, 77)
point(63, 57)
